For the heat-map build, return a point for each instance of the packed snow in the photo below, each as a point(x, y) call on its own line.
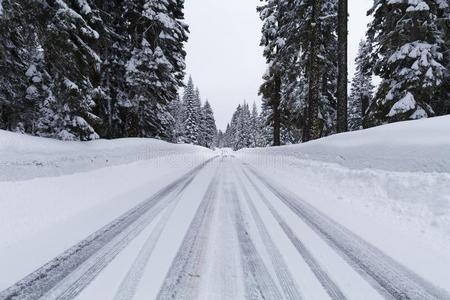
point(25, 157)
point(397, 176)
point(272, 222)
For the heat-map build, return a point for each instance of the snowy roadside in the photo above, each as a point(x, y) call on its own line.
point(25, 157)
point(402, 206)
point(411, 146)
point(41, 216)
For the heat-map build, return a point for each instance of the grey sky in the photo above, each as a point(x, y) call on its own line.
point(224, 56)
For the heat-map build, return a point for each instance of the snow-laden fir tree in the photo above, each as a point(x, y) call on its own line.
point(108, 68)
point(408, 55)
point(191, 114)
point(361, 89)
point(114, 47)
point(243, 138)
point(266, 128)
point(442, 103)
point(177, 111)
point(21, 84)
point(292, 31)
point(271, 14)
point(209, 129)
point(256, 139)
point(245, 129)
point(199, 117)
point(232, 132)
point(68, 44)
point(155, 69)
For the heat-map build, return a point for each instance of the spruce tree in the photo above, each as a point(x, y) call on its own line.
point(114, 45)
point(291, 27)
point(441, 105)
point(209, 125)
point(255, 128)
point(271, 14)
point(80, 69)
point(191, 128)
point(177, 112)
point(68, 44)
point(20, 93)
point(408, 56)
point(266, 128)
point(361, 89)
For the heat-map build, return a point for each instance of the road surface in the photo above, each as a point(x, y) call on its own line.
point(223, 231)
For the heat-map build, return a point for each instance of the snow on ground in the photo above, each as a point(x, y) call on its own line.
point(229, 229)
point(25, 157)
point(41, 216)
point(389, 184)
point(419, 145)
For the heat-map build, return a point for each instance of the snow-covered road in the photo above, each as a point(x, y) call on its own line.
point(225, 230)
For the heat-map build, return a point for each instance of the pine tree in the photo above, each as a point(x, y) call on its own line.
point(115, 49)
point(361, 89)
point(209, 126)
point(243, 129)
point(177, 111)
point(408, 56)
point(191, 128)
point(72, 63)
point(19, 50)
point(441, 105)
point(266, 128)
point(106, 68)
point(200, 118)
point(290, 27)
point(271, 15)
point(255, 128)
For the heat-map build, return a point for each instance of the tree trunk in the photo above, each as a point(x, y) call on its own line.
point(312, 129)
point(342, 122)
point(276, 111)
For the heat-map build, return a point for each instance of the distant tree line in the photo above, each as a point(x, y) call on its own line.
point(84, 69)
point(194, 122)
point(305, 87)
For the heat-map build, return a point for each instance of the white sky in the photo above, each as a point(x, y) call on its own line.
point(224, 56)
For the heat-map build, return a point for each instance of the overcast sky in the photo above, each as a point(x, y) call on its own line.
point(224, 56)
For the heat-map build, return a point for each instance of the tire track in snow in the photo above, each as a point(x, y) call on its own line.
point(325, 280)
point(226, 268)
point(284, 276)
point(129, 284)
point(47, 277)
point(257, 279)
point(182, 279)
point(386, 275)
point(76, 281)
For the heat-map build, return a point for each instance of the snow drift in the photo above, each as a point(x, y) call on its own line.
point(25, 157)
point(390, 184)
point(420, 145)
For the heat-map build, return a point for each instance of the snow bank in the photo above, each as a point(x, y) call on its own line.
point(55, 193)
point(25, 157)
point(390, 184)
point(421, 145)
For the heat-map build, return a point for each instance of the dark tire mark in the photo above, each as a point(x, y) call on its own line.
point(41, 281)
point(385, 274)
point(258, 281)
point(325, 280)
point(182, 279)
point(285, 278)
